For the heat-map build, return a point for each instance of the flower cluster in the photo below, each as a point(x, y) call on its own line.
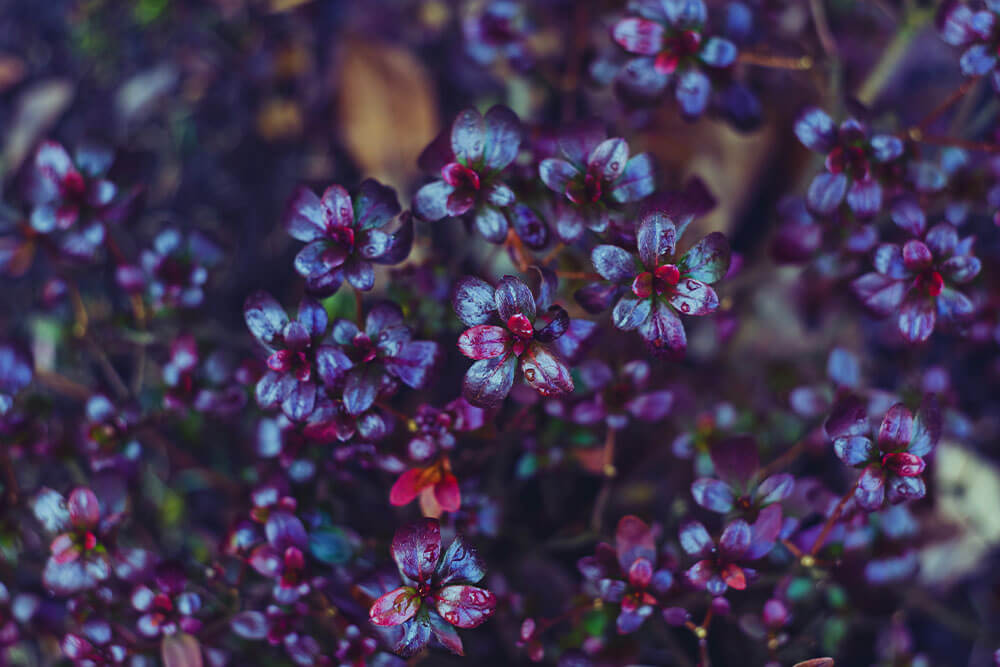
point(556, 280)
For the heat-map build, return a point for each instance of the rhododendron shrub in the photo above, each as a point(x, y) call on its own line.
point(496, 332)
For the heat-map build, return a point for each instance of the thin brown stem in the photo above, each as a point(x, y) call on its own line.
point(610, 472)
point(940, 110)
point(776, 62)
point(62, 385)
point(578, 275)
point(826, 39)
point(516, 247)
point(821, 539)
point(782, 461)
point(977, 146)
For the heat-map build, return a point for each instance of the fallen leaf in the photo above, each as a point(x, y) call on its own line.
point(386, 107)
point(38, 108)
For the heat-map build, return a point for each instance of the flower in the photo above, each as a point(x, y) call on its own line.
point(295, 352)
point(471, 165)
point(659, 285)
point(434, 483)
point(917, 281)
point(853, 161)
point(438, 591)
point(165, 606)
point(109, 435)
point(720, 565)
point(205, 383)
point(94, 643)
point(369, 364)
point(593, 177)
point(174, 271)
point(892, 465)
point(522, 342)
point(629, 573)
point(668, 36)
point(740, 487)
point(975, 31)
point(344, 235)
point(616, 398)
point(497, 29)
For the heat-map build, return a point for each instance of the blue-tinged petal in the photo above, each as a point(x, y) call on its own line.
point(886, 147)
point(693, 88)
point(431, 201)
point(826, 192)
point(503, 138)
point(468, 137)
point(718, 52)
point(636, 182)
point(815, 129)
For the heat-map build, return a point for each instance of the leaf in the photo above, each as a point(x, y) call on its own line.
point(181, 650)
point(386, 107)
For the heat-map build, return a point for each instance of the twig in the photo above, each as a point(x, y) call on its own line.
point(610, 472)
point(782, 461)
point(776, 62)
point(940, 110)
point(826, 39)
point(821, 539)
point(957, 143)
point(879, 75)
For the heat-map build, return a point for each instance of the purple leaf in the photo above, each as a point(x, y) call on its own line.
point(712, 494)
point(826, 192)
point(488, 381)
point(545, 372)
point(461, 563)
point(926, 428)
point(633, 541)
point(264, 316)
point(639, 36)
point(880, 294)
point(815, 129)
point(513, 297)
point(916, 256)
point(556, 174)
point(608, 159)
point(304, 219)
point(431, 201)
point(630, 312)
point(695, 540)
point(916, 318)
point(718, 52)
point(375, 205)
point(908, 215)
point(473, 301)
point(855, 450)
point(693, 297)
point(503, 137)
point(395, 607)
point(465, 606)
point(663, 331)
point(693, 88)
point(485, 341)
point(774, 489)
point(468, 137)
point(613, 263)
point(636, 181)
point(656, 237)
point(709, 260)
point(896, 429)
point(849, 416)
point(735, 459)
point(416, 548)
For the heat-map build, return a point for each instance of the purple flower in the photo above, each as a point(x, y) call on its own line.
point(893, 463)
point(615, 399)
point(366, 365)
point(166, 608)
point(974, 31)
point(525, 339)
point(917, 281)
point(203, 383)
point(71, 199)
point(94, 643)
point(344, 235)
point(855, 160)
point(108, 435)
point(497, 29)
point(593, 177)
point(740, 487)
point(296, 353)
point(669, 39)
point(629, 573)
point(653, 290)
point(438, 590)
point(720, 566)
point(471, 161)
point(174, 271)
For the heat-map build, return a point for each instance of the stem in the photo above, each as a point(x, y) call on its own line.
point(578, 275)
point(939, 111)
point(551, 254)
point(62, 385)
point(776, 62)
point(818, 544)
point(516, 247)
point(609, 474)
point(879, 75)
point(958, 143)
point(782, 461)
point(823, 31)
